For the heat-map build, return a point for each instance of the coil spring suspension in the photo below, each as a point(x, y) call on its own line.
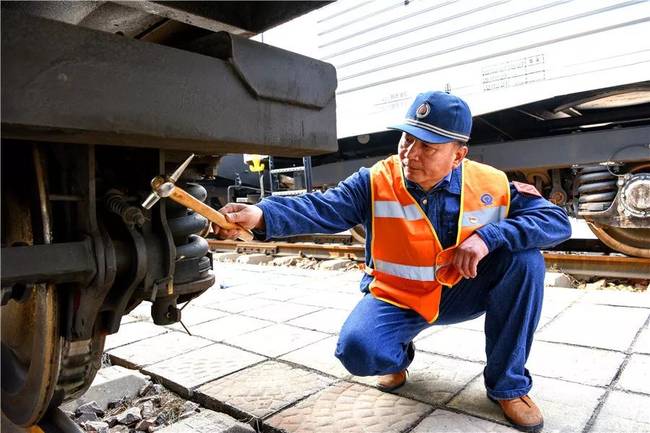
point(596, 189)
point(192, 262)
point(116, 202)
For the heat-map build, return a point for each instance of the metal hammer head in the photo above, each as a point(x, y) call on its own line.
point(163, 186)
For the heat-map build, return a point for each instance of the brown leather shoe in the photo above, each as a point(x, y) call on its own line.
point(390, 382)
point(522, 413)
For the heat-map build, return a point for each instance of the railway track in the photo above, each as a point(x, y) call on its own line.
point(573, 263)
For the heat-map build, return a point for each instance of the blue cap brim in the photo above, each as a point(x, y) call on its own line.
point(422, 134)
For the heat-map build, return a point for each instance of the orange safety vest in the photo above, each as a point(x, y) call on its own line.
point(410, 265)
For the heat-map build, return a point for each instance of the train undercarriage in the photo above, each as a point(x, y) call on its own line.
point(97, 99)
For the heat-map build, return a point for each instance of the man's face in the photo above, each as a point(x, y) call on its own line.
point(427, 164)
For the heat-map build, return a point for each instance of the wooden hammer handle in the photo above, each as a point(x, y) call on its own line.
point(182, 197)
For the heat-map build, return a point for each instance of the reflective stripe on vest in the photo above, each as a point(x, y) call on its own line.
point(392, 209)
point(484, 216)
point(410, 265)
point(416, 273)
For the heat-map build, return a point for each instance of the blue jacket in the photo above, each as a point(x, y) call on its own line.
point(532, 222)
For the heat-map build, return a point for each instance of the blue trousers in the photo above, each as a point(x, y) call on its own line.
point(376, 338)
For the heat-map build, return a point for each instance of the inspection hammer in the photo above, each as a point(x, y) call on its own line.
point(165, 187)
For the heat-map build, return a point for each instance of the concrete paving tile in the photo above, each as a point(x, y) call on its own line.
point(427, 332)
point(213, 296)
point(110, 384)
point(276, 340)
point(335, 285)
point(282, 293)
point(433, 378)
point(229, 275)
point(202, 365)
point(327, 320)
point(550, 310)
point(562, 295)
point(247, 286)
point(461, 343)
point(156, 349)
point(245, 303)
point(128, 319)
point(208, 421)
point(617, 297)
point(227, 327)
point(350, 408)
point(623, 413)
point(341, 301)
point(642, 344)
point(132, 332)
point(280, 311)
point(585, 324)
point(263, 280)
point(477, 324)
point(319, 356)
point(570, 362)
point(142, 311)
point(311, 274)
point(635, 374)
point(192, 315)
point(443, 421)
point(263, 389)
point(566, 406)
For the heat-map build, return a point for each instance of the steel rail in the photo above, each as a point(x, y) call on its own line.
point(306, 249)
point(613, 266)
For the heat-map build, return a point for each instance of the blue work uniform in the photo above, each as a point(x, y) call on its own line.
point(376, 338)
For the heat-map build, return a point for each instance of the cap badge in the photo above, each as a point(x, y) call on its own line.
point(423, 111)
point(486, 199)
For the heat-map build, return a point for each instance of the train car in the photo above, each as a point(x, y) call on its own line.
point(97, 99)
point(559, 91)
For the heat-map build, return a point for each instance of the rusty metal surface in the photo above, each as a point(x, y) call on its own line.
point(577, 264)
point(309, 249)
point(599, 265)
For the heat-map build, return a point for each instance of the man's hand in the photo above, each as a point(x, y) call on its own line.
point(246, 215)
point(468, 254)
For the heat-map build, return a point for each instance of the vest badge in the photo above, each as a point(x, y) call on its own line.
point(486, 199)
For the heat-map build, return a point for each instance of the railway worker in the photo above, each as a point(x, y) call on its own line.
point(448, 239)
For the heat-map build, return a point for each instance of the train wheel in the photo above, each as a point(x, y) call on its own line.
point(633, 242)
point(31, 353)
point(40, 368)
point(31, 342)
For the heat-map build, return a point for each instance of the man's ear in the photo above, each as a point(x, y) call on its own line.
point(459, 154)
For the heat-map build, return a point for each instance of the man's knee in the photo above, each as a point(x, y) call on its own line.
point(361, 355)
point(528, 260)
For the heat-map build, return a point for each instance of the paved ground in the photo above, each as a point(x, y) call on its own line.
point(262, 350)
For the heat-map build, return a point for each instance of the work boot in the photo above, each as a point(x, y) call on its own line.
point(522, 413)
point(390, 382)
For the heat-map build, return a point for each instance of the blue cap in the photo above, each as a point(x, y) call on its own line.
point(437, 117)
